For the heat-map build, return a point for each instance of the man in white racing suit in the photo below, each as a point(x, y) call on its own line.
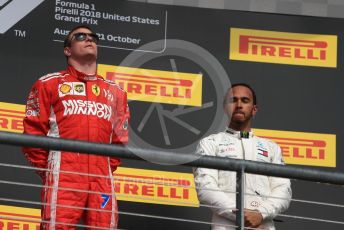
point(265, 196)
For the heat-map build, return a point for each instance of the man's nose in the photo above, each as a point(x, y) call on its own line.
point(239, 103)
point(89, 38)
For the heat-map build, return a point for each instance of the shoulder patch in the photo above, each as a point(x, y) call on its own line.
point(113, 83)
point(212, 137)
point(51, 76)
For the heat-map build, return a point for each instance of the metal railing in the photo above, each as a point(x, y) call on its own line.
point(240, 166)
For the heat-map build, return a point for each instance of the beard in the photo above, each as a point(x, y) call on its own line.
point(240, 118)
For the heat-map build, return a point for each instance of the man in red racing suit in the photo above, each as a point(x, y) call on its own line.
point(74, 105)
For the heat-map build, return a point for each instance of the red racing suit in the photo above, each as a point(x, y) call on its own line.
point(72, 105)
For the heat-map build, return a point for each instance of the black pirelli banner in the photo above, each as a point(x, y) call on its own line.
point(176, 64)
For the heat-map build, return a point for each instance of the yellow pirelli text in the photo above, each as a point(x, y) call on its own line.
point(156, 85)
point(156, 187)
point(11, 117)
point(283, 48)
point(19, 218)
point(300, 148)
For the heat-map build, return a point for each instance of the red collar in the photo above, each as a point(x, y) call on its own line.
point(80, 75)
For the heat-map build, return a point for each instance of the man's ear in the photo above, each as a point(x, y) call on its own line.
point(67, 51)
point(254, 110)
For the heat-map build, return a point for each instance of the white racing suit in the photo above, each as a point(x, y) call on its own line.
point(268, 195)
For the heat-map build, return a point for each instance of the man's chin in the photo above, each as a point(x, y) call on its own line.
point(239, 121)
point(238, 118)
point(90, 56)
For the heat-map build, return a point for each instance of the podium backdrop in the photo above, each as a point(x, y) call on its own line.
point(176, 63)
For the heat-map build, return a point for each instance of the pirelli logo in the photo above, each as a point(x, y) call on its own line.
point(313, 149)
point(11, 117)
point(158, 187)
point(155, 85)
point(283, 48)
point(19, 218)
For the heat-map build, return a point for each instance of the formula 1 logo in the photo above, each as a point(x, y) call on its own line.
point(12, 11)
point(3, 3)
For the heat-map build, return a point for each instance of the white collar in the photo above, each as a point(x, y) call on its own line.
point(239, 134)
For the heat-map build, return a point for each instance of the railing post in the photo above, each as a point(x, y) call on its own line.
point(240, 195)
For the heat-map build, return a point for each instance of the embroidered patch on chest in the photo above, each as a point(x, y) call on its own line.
point(262, 150)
